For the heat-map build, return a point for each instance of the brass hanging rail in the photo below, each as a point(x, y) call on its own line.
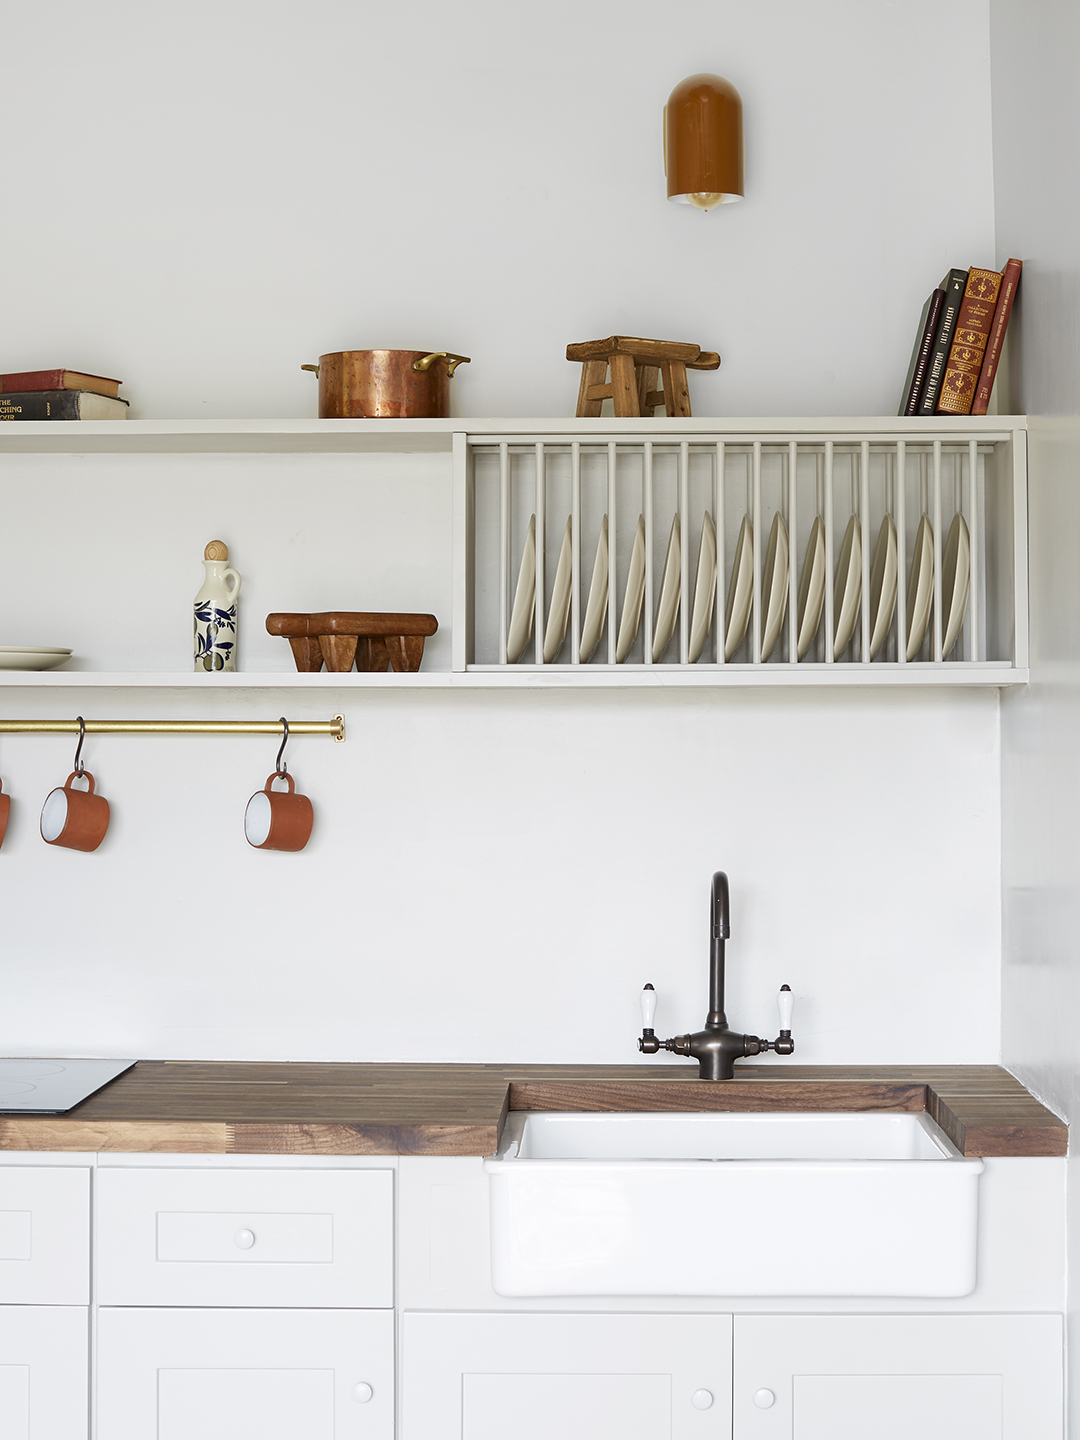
point(335, 727)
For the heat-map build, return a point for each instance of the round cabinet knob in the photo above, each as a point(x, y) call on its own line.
point(362, 1393)
point(701, 1399)
point(764, 1398)
point(244, 1239)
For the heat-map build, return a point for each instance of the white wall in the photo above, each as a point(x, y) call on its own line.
point(198, 198)
point(214, 193)
point(1036, 47)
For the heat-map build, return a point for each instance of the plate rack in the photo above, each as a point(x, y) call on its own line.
point(937, 470)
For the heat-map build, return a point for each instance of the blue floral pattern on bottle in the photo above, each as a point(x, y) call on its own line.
point(213, 628)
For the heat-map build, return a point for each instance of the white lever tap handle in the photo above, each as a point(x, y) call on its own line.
point(648, 1006)
point(785, 1003)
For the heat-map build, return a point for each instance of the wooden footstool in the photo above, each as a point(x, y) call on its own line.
point(636, 366)
point(340, 637)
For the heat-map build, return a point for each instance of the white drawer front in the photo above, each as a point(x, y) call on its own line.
point(44, 1235)
point(245, 1237)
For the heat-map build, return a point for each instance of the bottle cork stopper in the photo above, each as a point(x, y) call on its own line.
point(216, 550)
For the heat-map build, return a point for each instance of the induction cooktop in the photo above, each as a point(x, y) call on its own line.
point(52, 1087)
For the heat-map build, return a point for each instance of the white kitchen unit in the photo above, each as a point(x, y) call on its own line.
point(44, 1372)
point(842, 1377)
point(220, 1374)
point(45, 1235)
point(638, 1377)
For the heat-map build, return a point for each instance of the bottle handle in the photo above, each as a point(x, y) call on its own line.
point(234, 591)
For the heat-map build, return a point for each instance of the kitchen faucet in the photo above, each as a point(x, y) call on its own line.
point(716, 1048)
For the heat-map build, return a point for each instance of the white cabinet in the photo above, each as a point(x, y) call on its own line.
point(245, 1237)
point(222, 1375)
point(570, 1376)
point(44, 1236)
point(44, 1372)
point(936, 1377)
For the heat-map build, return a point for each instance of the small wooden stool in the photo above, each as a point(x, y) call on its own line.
point(636, 366)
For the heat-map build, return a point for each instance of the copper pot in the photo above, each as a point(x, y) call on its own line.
point(385, 384)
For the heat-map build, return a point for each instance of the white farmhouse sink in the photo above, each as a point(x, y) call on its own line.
point(869, 1204)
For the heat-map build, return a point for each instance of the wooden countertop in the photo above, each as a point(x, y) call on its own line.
point(263, 1108)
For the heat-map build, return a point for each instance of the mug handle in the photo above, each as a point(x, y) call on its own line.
point(84, 776)
point(280, 775)
point(236, 583)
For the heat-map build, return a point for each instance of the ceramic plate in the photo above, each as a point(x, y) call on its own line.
point(955, 581)
point(524, 611)
point(704, 589)
point(559, 614)
point(774, 585)
point(920, 590)
point(634, 597)
point(740, 595)
point(847, 590)
point(812, 587)
point(667, 609)
point(883, 572)
point(596, 609)
point(32, 657)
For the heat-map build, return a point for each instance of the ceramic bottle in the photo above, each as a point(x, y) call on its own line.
point(215, 611)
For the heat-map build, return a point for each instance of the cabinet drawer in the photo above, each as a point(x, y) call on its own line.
point(245, 1237)
point(44, 1235)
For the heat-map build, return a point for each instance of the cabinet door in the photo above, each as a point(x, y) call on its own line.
point(245, 1237)
point(44, 1236)
point(222, 1374)
point(936, 1377)
point(44, 1372)
point(574, 1377)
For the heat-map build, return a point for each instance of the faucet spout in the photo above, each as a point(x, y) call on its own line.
point(720, 930)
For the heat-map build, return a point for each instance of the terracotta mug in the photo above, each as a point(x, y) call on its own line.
point(278, 819)
point(76, 819)
point(5, 806)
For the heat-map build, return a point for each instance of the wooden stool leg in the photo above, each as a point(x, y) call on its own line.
point(648, 377)
point(624, 390)
point(593, 372)
point(676, 390)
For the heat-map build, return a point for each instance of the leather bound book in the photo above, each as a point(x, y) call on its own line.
point(61, 405)
point(1010, 279)
point(27, 380)
point(973, 326)
point(920, 356)
point(953, 285)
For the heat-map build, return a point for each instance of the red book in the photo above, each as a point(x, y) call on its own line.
point(1010, 279)
point(22, 381)
point(972, 331)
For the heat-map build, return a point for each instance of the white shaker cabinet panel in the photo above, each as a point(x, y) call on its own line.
point(44, 1236)
point(223, 1375)
point(44, 1372)
point(935, 1377)
point(245, 1237)
point(572, 1377)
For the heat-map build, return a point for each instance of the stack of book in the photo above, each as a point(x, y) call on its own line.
point(60, 395)
point(958, 343)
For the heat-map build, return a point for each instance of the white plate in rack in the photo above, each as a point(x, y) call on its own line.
point(847, 591)
point(596, 609)
point(634, 597)
point(704, 589)
point(920, 595)
point(667, 609)
point(559, 618)
point(812, 587)
point(32, 657)
point(774, 585)
point(740, 595)
point(524, 612)
point(883, 578)
point(955, 581)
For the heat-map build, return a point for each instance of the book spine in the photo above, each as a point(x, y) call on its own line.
point(966, 353)
point(953, 285)
point(923, 354)
point(29, 380)
point(1010, 279)
point(42, 405)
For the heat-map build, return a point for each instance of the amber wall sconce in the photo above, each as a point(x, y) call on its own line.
point(703, 142)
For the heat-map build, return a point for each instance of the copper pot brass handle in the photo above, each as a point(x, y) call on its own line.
point(452, 361)
point(313, 368)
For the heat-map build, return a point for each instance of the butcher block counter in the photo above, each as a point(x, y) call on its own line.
point(263, 1108)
